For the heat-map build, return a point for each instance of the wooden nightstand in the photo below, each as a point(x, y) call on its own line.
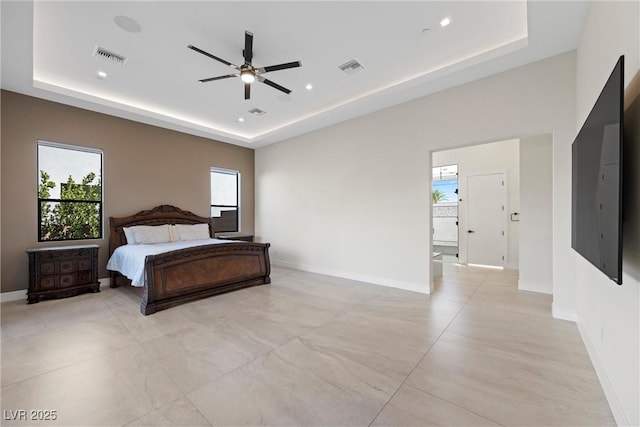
point(62, 271)
point(244, 237)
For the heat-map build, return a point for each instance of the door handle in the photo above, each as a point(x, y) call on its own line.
point(470, 231)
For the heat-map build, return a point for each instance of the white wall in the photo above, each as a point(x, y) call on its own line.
point(493, 157)
point(536, 219)
point(609, 318)
point(353, 199)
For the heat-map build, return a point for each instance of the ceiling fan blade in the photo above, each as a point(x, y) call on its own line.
point(247, 90)
point(248, 47)
point(280, 67)
point(210, 79)
point(210, 55)
point(274, 85)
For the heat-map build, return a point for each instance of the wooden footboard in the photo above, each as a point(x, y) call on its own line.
point(184, 275)
point(188, 274)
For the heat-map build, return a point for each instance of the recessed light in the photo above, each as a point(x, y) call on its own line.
point(127, 24)
point(102, 75)
point(309, 86)
point(445, 22)
point(240, 119)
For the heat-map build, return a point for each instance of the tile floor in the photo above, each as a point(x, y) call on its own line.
point(306, 350)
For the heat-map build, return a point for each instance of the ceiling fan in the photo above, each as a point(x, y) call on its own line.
point(247, 72)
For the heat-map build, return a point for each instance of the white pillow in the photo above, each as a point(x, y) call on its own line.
point(130, 234)
point(173, 233)
point(192, 231)
point(148, 234)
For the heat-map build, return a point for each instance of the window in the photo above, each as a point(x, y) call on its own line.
point(225, 187)
point(69, 192)
point(445, 184)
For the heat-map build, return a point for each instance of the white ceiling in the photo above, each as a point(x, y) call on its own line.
point(47, 52)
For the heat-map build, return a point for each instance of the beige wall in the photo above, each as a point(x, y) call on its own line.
point(144, 166)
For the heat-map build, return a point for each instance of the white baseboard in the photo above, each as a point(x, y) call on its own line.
point(422, 288)
point(22, 294)
point(563, 313)
point(13, 296)
point(609, 392)
point(543, 288)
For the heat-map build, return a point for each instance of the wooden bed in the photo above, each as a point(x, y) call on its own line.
point(184, 275)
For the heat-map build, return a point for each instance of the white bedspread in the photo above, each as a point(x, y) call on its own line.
point(128, 260)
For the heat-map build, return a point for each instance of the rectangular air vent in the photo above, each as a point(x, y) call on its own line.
point(351, 67)
point(108, 55)
point(257, 112)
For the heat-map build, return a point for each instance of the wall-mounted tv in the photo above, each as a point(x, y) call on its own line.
point(596, 223)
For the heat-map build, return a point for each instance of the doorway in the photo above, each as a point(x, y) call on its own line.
point(477, 166)
point(444, 195)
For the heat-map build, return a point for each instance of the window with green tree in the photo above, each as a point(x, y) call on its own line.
point(69, 192)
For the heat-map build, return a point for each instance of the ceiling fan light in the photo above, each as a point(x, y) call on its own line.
point(247, 76)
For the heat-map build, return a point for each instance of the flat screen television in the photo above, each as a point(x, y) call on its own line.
point(596, 223)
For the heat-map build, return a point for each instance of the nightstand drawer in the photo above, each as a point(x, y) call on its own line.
point(84, 277)
point(49, 282)
point(67, 280)
point(47, 268)
point(84, 264)
point(67, 266)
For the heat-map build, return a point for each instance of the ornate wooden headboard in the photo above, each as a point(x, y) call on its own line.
point(163, 214)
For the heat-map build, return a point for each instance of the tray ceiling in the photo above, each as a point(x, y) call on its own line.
point(49, 51)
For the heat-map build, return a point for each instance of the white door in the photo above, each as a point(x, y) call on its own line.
point(486, 219)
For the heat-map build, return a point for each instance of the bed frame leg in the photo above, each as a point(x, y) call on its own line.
point(147, 309)
point(113, 280)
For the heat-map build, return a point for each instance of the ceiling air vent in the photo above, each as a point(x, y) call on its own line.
point(103, 53)
point(257, 112)
point(351, 67)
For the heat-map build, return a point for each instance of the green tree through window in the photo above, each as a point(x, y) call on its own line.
point(69, 210)
point(438, 196)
